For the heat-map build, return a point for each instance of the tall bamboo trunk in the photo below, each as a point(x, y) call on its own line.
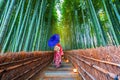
point(4, 25)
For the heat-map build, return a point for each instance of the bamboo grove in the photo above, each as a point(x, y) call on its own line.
point(94, 22)
point(26, 25)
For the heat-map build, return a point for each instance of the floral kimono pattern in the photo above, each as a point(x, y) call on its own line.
point(57, 55)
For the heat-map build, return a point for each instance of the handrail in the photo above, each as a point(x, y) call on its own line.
point(71, 59)
point(97, 60)
point(26, 66)
point(30, 70)
point(112, 75)
point(8, 64)
point(100, 61)
point(19, 65)
point(106, 62)
point(75, 56)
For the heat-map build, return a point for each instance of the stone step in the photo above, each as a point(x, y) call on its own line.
point(62, 67)
point(59, 69)
point(60, 74)
point(67, 64)
point(64, 72)
point(70, 78)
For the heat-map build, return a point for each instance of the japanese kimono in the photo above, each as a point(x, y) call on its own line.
point(58, 52)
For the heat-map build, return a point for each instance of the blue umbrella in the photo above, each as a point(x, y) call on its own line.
point(54, 39)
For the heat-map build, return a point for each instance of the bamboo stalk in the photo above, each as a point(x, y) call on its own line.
point(102, 41)
point(41, 25)
point(4, 25)
point(31, 26)
point(25, 30)
point(112, 30)
point(12, 26)
point(19, 34)
point(4, 14)
point(115, 10)
point(38, 28)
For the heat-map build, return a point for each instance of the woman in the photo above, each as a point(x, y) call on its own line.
point(58, 52)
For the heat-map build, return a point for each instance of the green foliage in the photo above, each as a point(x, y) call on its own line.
point(1, 3)
point(28, 24)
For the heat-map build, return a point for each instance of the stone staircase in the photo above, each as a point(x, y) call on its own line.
point(65, 72)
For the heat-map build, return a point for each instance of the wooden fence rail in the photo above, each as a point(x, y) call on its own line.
point(23, 65)
point(95, 65)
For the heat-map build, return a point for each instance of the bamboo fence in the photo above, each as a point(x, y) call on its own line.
point(101, 63)
point(23, 65)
